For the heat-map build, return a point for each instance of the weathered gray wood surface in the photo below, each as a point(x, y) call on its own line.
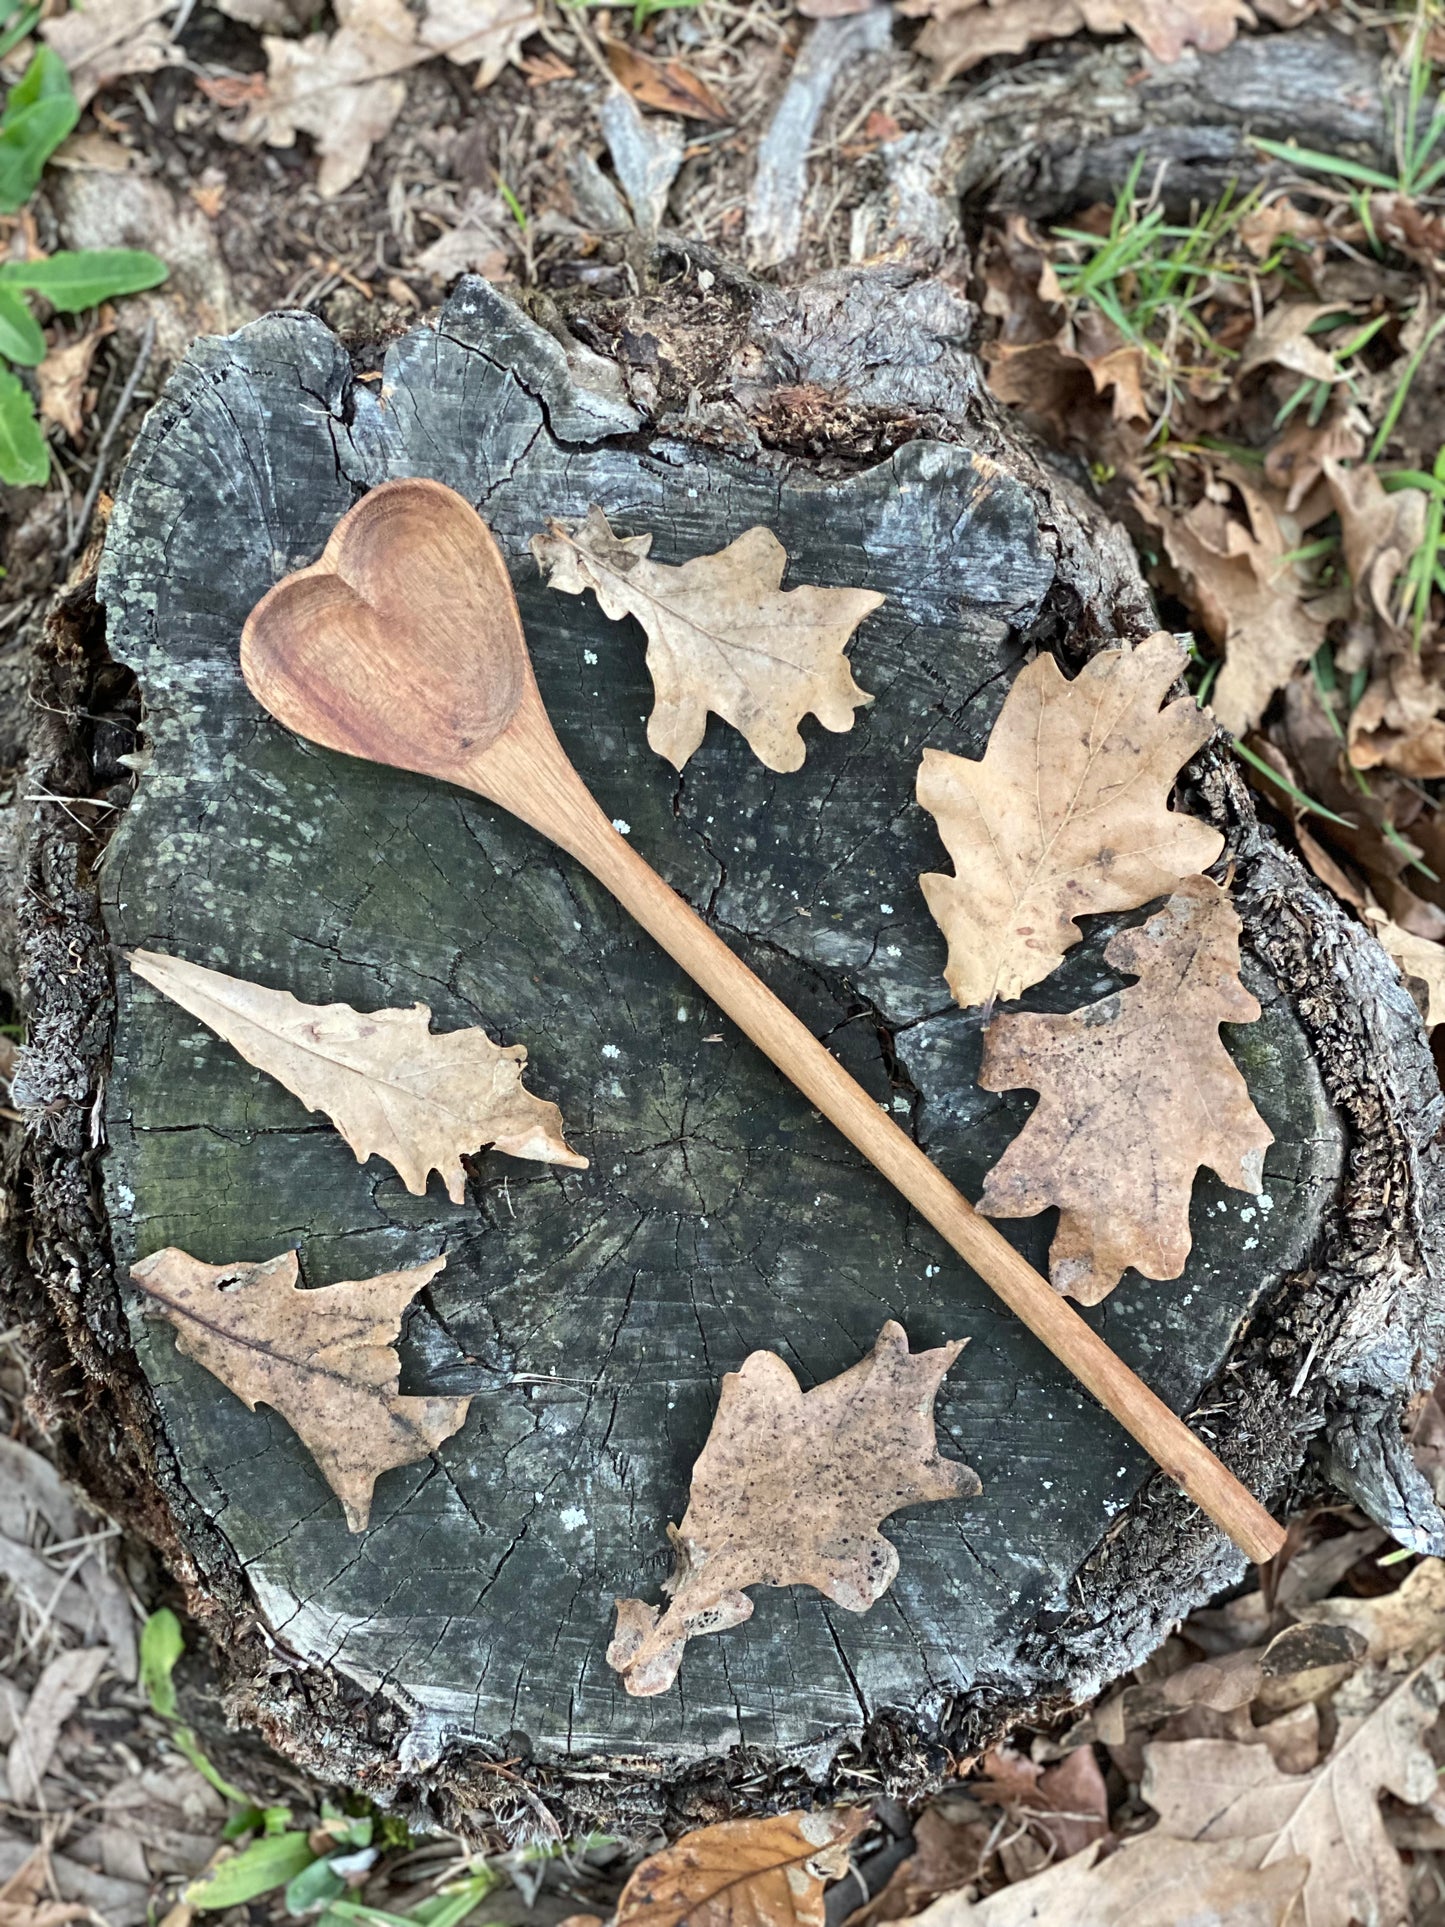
point(592, 1313)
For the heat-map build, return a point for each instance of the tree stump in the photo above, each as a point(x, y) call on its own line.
point(454, 1653)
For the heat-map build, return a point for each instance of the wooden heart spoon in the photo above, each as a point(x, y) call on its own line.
point(404, 645)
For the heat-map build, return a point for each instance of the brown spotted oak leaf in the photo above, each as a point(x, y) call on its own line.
point(1066, 814)
point(1136, 1092)
point(790, 1490)
point(722, 635)
point(744, 1873)
point(325, 1359)
point(389, 1085)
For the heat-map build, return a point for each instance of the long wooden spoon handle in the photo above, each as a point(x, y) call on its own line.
point(802, 1059)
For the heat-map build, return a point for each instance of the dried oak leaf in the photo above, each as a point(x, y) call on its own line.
point(1398, 720)
point(1065, 815)
point(1136, 1092)
point(964, 32)
point(346, 88)
point(63, 375)
point(790, 1490)
point(1147, 1883)
point(1218, 1790)
point(1249, 595)
point(107, 39)
point(744, 1873)
point(722, 635)
point(27, 1897)
point(325, 1359)
point(390, 1086)
point(1421, 961)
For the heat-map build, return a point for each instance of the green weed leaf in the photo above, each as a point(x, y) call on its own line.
point(24, 455)
point(20, 336)
point(161, 1645)
point(39, 113)
point(270, 1862)
point(72, 280)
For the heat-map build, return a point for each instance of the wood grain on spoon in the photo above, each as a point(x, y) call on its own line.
point(403, 645)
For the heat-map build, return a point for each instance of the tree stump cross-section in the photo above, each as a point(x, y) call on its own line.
point(591, 1314)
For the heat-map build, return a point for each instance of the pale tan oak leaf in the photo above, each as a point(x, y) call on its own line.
point(1231, 1791)
point(1066, 814)
point(722, 635)
point(1136, 1092)
point(392, 1087)
point(1147, 1883)
point(789, 1490)
point(325, 1359)
point(744, 1873)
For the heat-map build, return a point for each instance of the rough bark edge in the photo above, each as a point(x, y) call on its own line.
point(1365, 1315)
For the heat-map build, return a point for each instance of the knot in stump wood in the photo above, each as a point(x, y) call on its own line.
point(591, 1314)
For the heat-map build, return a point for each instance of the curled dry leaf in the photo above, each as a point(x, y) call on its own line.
point(1397, 722)
point(1136, 1092)
point(722, 635)
point(63, 374)
point(107, 39)
point(790, 1490)
point(964, 32)
point(1249, 597)
point(325, 1359)
point(1151, 1881)
point(59, 1690)
point(744, 1873)
point(1065, 815)
point(1402, 1626)
point(27, 1897)
point(1052, 363)
point(346, 89)
point(1421, 961)
point(1283, 340)
point(665, 85)
point(391, 1087)
point(1217, 1790)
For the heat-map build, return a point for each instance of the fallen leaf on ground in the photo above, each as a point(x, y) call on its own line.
point(59, 1690)
point(1406, 1625)
point(490, 32)
point(1048, 360)
point(790, 1490)
point(1136, 1092)
point(325, 1359)
point(1066, 1805)
point(1066, 814)
point(1215, 1790)
point(1421, 961)
point(1282, 340)
point(1397, 721)
point(963, 33)
point(346, 88)
point(1249, 597)
point(948, 1852)
point(1168, 28)
point(744, 1873)
point(63, 375)
point(666, 85)
point(390, 1085)
point(25, 1898)
point(1145, 1884)
point(478, 244)
point(106, 39)
point(722, 635)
